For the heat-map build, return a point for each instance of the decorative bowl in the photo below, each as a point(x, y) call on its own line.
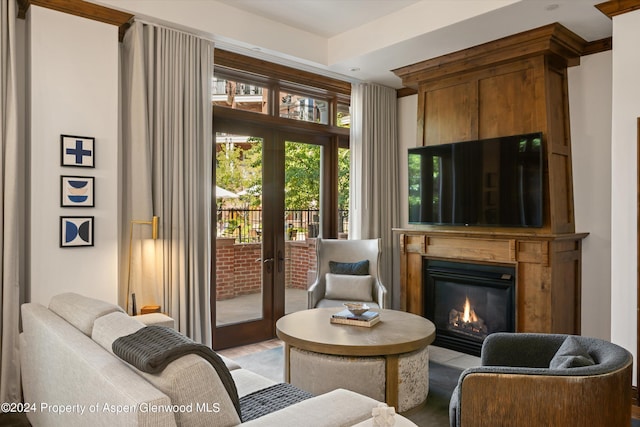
point(356, 308)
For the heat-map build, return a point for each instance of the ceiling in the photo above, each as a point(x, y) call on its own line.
point(363, 40)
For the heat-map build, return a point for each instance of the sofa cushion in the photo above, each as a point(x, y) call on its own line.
point(359, 268)
point(347, 287)
point(571, 354)
point(81, 311)
point(112, 326)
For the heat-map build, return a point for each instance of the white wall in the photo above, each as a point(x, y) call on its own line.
point(407, 134)
point(624, 140)
point(73, 89)
point(590, 115)
point(407, 138)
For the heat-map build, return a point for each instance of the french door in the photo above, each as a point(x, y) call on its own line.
point(254, 230)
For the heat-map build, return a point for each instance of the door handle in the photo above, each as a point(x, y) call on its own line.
point(268, 263)
point(280, 261)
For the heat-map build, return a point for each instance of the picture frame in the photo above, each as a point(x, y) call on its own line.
point(77, 151)
point(76, 231)
point(77, 191)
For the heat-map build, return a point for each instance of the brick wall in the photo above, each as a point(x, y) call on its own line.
point(238, 266)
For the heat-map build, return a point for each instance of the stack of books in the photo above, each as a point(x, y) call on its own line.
point(345, 317)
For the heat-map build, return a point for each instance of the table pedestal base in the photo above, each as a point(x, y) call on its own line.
point(401, 380)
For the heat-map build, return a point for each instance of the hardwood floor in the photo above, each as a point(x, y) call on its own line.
point(244, 350)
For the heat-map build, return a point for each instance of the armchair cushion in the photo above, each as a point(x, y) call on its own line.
point(360, 268)
point(571, 354)
point(347, 287)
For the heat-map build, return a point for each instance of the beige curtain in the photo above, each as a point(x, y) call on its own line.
point(11, 184)
point(373, 187)
point(167, 155)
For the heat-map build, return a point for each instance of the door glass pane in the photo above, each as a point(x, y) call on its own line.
point(239, 287)
point(302, 220)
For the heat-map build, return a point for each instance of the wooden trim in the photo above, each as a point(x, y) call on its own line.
point(550, 39)
point(597, 46)
point(618, 7)
point(638, 253)
point(406, 91)
point(224, 113)
point(235, 61)
point(82, 9)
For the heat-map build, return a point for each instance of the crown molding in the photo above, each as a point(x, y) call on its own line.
point(618, 7)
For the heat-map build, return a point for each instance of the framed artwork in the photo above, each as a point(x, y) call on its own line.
point(77, 191)
point(77, 151)
point(76, 231)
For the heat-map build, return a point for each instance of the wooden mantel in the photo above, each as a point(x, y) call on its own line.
point(548, 269)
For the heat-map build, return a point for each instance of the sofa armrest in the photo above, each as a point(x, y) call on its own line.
point(156, 319)
point(338, 408)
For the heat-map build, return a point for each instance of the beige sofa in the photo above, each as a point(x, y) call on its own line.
point(72, 378)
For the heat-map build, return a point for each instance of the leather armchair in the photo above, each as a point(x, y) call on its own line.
point(514, 386)
point(346, 251)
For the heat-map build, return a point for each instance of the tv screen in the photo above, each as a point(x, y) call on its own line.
point(491, 182)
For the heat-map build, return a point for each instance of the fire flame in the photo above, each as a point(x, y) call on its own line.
point(469, 315)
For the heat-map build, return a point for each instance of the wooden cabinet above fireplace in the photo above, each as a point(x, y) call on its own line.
point(512, 86)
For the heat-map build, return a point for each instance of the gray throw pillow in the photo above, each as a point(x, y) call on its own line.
point(360, 268)
point(571, 354)
point(348, 287)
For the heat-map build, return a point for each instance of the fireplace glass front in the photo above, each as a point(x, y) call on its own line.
point(467, 302)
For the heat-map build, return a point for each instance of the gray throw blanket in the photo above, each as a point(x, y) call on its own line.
point(152, 348)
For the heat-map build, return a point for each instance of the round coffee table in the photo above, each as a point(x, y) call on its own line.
point(388, 361)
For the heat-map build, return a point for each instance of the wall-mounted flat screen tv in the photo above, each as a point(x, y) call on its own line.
point(492, 182)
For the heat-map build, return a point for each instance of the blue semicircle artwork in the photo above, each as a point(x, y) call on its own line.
point(71, 231)
point(78, 199)
point(78, 184)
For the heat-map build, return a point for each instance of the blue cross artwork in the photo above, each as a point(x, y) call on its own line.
point(76, 231)
point(77, 151)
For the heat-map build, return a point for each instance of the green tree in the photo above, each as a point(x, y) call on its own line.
point(302, 176)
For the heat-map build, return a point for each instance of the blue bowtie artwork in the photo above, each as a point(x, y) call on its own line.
point(76, 231)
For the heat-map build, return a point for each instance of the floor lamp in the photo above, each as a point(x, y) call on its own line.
point(154, 235)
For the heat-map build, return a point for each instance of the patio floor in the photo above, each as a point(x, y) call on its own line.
point(245, 307)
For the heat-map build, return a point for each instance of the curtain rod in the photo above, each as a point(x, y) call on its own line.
point(167, 27)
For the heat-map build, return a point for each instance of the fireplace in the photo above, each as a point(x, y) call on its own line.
point(467, 302)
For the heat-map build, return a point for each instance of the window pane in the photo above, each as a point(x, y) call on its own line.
point(240, 96)
point(344, 116)
point(344, 162)
point(298, 107)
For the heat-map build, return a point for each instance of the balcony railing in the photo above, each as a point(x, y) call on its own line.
point(245, 225)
